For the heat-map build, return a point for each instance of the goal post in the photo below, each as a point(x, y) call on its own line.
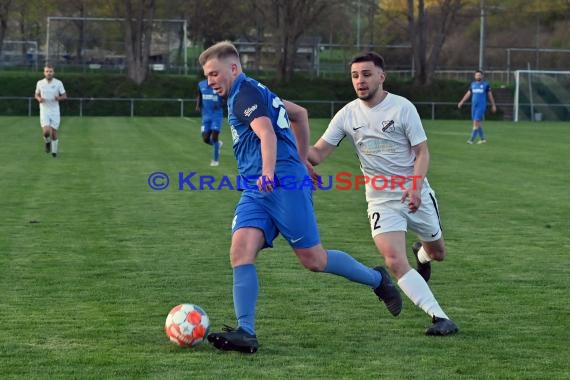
point(542, 95)
point(98, 42)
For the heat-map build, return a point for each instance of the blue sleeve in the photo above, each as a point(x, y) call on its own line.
point(250, 104)
point(487, 87)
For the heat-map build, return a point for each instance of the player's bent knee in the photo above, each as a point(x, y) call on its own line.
point(207, 137)
point(246, 243)
point(311, 263)
point(241, 257)
point(437, 254)
point(314, 259)
point(398, 268)
point(313, 267)
point(397, 263)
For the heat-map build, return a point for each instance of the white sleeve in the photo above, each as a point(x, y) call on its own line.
point(335, 131)
point(413, 125)
point(38, 91)
point(61, 89)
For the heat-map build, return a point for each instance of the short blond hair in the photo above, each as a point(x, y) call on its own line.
point(221, 50)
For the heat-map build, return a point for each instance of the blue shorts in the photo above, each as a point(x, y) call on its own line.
point(289, 212)
point(478, 114)
point(211, 125)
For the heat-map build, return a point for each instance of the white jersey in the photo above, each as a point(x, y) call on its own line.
point(48, 91)
point(383, 137)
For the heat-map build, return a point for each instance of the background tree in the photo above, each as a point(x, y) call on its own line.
point(79, 10)
point(73, 39)
point(291, 19)
point(444, 33)
point(371, 8)
point(442, 13)
point(4, 11)
point(138, 15)
point(334, 25)
point(212, 21)
point(28, 20)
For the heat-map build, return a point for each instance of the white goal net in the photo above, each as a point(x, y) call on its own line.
point(542, 95)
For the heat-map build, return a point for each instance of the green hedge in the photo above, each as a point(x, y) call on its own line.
point(101, 85)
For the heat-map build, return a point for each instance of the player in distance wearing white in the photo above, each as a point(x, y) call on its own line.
point(49, 92)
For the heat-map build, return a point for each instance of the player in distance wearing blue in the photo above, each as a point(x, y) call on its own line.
point(271, 139)
point(479, 90)
point(211, 106)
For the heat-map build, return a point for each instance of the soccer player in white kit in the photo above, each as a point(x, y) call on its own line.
point(389, 139)
point(49, 92)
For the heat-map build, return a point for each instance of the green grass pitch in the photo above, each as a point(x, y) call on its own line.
point(92, 260)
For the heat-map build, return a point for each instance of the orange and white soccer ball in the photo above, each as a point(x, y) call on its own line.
point(187, 325)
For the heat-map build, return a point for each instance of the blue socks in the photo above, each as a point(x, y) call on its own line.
point(246, 289)
point(474, 134)
point(477, 132)
point(342, 264)
point(246, 285)
point(216, 150)
point(481, 134)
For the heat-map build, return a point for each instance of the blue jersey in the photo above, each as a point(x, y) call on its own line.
point(211, 104)
point(248, 99)
point(479, 91)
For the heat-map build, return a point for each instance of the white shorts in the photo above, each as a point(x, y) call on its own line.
point(394, 216)
point(50, 120)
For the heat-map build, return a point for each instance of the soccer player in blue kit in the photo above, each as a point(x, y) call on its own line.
point(211, 105)
point(271, 141)
point(479, 90)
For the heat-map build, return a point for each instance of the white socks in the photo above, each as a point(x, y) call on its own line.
point(47, 139)
point(423, 256)
point(54, 144)
point(418, 291)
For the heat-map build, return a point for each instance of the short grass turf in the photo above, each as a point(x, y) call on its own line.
point(92, 259)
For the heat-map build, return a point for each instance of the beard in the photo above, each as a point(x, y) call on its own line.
point(370, 95)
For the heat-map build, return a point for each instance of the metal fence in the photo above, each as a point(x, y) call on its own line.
point(161, 107)
point(131, 107)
